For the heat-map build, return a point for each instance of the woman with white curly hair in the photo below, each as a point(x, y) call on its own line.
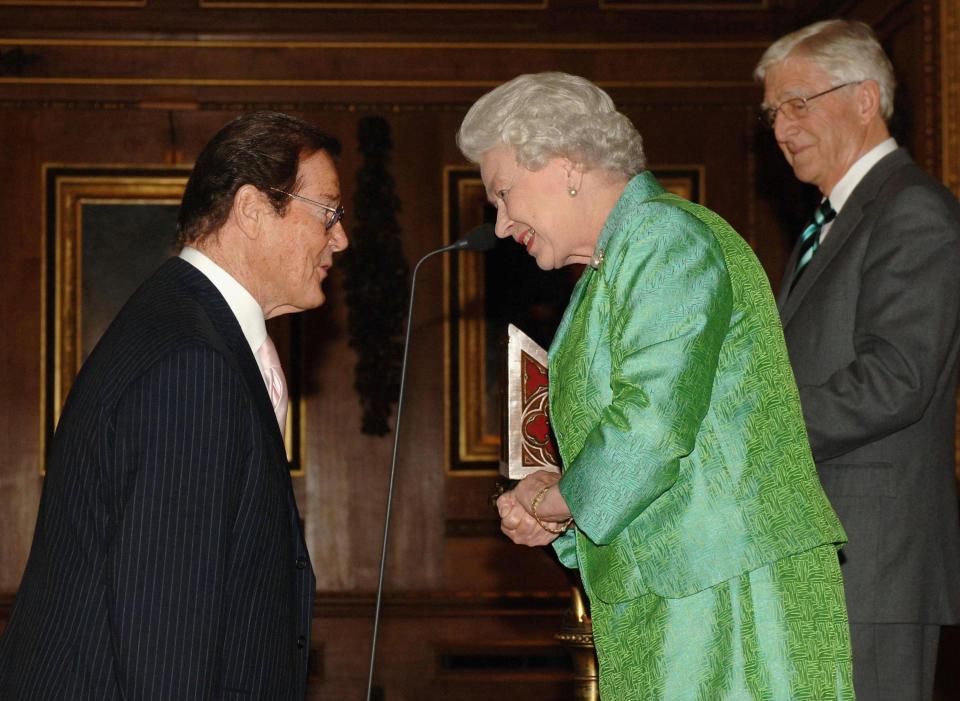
point(689, 500)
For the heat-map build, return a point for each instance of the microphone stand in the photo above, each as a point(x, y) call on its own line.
point(480, 238)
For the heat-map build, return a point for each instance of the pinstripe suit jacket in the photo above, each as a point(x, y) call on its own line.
point(873, 331)
point(168, 560)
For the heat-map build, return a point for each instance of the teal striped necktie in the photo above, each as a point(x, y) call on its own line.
point(810, 238)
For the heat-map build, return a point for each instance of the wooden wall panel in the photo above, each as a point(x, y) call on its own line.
point(20, 354)
point(107, 84)
point(949, 55)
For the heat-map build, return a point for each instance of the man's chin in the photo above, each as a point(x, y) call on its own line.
point(313, 302)
point(804, 174)
point(803, 169)
point(302, 306)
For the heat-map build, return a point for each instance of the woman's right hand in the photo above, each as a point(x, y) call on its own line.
point(518, 525)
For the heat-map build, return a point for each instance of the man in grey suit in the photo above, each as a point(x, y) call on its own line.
point(871, 313)
point(168, 560)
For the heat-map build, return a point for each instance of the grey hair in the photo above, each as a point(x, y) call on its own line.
point(848, 52)
point(549, 115)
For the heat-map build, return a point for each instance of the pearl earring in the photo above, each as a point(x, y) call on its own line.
point(572, 191)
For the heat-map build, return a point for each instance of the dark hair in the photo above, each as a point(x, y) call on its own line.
point(262, 149)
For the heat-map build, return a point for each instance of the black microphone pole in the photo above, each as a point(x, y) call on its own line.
point(480, 238)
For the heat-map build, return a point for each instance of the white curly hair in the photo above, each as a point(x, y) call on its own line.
point(549, 115)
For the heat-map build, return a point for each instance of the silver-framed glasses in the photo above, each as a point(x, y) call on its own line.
point(795, 107)
point(332, 215)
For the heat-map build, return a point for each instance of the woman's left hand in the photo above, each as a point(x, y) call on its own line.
point(552, 506)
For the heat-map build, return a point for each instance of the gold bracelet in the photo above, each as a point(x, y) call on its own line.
point(538, 497)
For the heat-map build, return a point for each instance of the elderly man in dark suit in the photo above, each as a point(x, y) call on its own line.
point(871, 312)
point(168, 560)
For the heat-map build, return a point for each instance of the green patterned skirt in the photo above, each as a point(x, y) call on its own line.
point(779, 633)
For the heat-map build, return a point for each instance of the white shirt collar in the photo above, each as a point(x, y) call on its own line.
point(241, 302)
point(842, 190)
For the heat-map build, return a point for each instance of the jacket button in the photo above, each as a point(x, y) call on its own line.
point(301, 563)
point(301, 641)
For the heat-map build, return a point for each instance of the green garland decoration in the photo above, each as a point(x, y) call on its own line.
point(376, 281)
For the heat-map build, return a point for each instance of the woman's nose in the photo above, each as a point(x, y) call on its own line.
point(503, 223)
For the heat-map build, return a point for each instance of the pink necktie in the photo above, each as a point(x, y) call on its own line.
point(273, 376)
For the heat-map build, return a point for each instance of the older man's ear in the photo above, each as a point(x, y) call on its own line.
point(249, 210)
point(868, 101)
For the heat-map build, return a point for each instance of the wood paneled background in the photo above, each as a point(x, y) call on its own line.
point(147, 82)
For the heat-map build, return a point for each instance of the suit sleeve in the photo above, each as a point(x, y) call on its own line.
point(906, 318)
point(670, 304)
point(179, 454)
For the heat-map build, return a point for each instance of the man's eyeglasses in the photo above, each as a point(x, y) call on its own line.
point(331, 214)
point(795, 107)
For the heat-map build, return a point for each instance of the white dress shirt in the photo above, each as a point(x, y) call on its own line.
point(247, 310)
point(842, 190)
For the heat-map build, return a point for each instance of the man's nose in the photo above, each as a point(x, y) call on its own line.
point(339, 239)
point(782, 125)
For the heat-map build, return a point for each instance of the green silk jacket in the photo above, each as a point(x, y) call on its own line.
point(676, 411)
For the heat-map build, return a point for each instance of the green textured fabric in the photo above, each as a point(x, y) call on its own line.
point(778, 633)
point(675, 410)
point(687, 464)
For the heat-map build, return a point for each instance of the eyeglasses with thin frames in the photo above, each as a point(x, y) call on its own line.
point(795, 107)
point(333, 214)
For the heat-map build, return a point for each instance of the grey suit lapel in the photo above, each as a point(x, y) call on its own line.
point(843, 227)
point(841, 230)
point(788, 274)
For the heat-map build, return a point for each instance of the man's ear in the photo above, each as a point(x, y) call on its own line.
point(868, 100)
point(249, 210)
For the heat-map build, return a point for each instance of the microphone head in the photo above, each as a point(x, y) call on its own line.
point(479, 238)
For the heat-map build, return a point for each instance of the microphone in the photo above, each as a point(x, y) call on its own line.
point(479, 238)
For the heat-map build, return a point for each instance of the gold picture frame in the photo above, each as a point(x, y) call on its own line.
point(106, 229)
point(477, 313)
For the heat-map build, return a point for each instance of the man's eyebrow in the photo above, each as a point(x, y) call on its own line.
point(330, 195)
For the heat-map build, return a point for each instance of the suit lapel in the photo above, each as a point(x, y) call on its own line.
point(843, 227)
point(228, 329)
point(840, 231)
point(788, 275)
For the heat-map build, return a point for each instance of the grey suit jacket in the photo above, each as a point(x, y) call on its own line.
point(168, 560)
point(873, 329)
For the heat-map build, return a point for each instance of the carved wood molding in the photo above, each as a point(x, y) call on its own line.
point(41, 68)
point(418, 603)
point(950, 92)
point(950, 124)
point(333, 604)
point(928, 21)
point(75, 3)
point(688, 5)
point(409, 5)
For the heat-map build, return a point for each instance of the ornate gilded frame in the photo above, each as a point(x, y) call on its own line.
point(472, 403)
point(70, 193)
point(950, 122)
